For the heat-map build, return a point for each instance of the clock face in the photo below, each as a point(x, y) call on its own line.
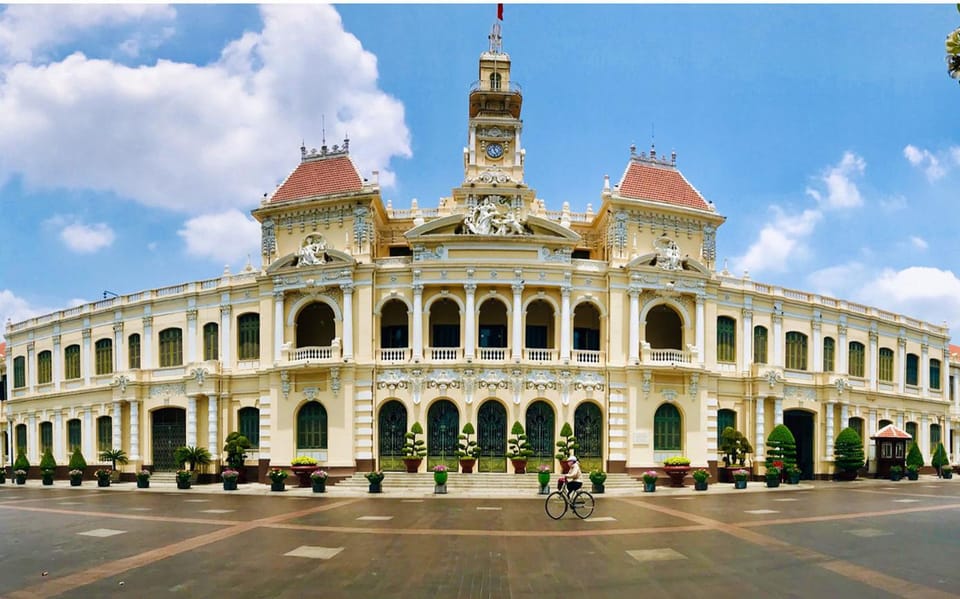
point(494, 150)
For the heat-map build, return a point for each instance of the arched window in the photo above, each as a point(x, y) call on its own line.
point(855, 365)
point(211, 341)
point(21, 433)
point(934, 373)
point(725, 418)
point(71, 362)
point(885, 364)
point(171, 348)
point(883, 423)
point(913, 369)
point(19, 372)
point(495, 81)
point(667, 428)
point(911, 428)
point(726, 339)
point(46, 436)
point(133, 351)
point(73, 434)
point(829, 354)
point(759, 344)
point(856, 424)
point(934, 436)
point(248, 336)
point(103, 350)
point(248, 424)
point(44, 367)
point(104, 433)
point(796, 351)
point(312, 426)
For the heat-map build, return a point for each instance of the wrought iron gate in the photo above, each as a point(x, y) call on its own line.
point(443, 428)
point(168, 431)
point(588, 429)
point(540, 431)
point(392, 428)
point(492, 437)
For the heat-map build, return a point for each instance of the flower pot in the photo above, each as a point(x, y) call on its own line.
point(20, 480)
point(595, 488)
point(739, 484)
point(229, 484)
point(895, 476)
point(412, 464)
point(440, 489)
point(913, 474)
point(467, 464)
point(103, 481)
point(947, 474)
point(440, 478)
point(700, 485)
point(649, 487)
point(519, 466)
point(543, 478)
point(375, 487)
point(773, 481)
point(278, 485)
point(303, 474)
point(677, 474)
point(75, 482)
point(319, 485)
point(794, 478)
point(143, 483)
point(47, 479)
point(183, 484)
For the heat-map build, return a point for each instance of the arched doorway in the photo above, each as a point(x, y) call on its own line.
point(588, 429)
point(316, 326)
point(443, 429)
point(664, 328)
point(492, 437)
point(800, 423)
point(168, 429)
point(392, 426)
point(540, 435)
point(312, 431)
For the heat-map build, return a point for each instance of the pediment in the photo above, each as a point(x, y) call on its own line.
point(322, 259)
point(655, 260)
point(532, 228)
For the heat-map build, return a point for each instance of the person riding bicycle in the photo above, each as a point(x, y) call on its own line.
point(573, 475)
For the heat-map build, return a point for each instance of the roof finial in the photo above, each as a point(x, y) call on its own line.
point(633, 150)
point(496, 41)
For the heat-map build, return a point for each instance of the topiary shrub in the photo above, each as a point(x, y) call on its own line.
point(848, 451)
point(467, 448)
point(414, 448)
point(734, 446)
point(914, 457)
point(781, 447)
point(519, 449)
point(76, 460)
point(567, 443)
point(939, 459)
point(48, 463)
point(21, 463)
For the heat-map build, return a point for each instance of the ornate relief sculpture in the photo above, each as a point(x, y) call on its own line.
point(486, 219)
point(668, 254)
point(312, 252)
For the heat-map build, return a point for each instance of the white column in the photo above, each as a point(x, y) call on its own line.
point(565, 319)
point(116, 420)
point(759, 438)
point(778, 340)
point(900, 420)
point(417, 322)
point(746, 354)
point(191, 336)
point(777, 411)
point(134, 430)
point(88, 434)
point(212, 425)
point(634, 333)
point(347, 346)
point(517, 341)
point(844, 415)
point(871, 431)
point(86, 357)
point(469, 335)
point(58, 444)
point(119, 364)
point(924, 370)
point(947, 444)
point(31, 368)
point(701, 329)
point(873, 360)
point(225, 318)
point(901, 365)
point(146, 344)
point(33, 443)
point(817, 365)
point(830, 430)
point(956, 391)
point(56, 359)
point(266, 428)
point(277, 325)
point(10, 376)
point(842, 349)
point(192, 420)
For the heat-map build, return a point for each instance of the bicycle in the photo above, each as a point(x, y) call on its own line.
point(559, 501)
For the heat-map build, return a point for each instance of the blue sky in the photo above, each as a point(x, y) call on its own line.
point(135, 140)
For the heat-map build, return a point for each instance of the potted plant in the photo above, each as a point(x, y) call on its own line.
point(48, 466)
point(467, 449)
point(649, 481)
point(414, 449)
point(914, 461)
point(184, 478)
point(565, 446)
point(792, 474)
point(278, 477)
point(375, 479)
point(235, 447)
point(896, 472)
point(543, 477)
point(740, 478)
point(848, 454)
point(946, 471)
point(103, 476)
point(115, 456)
point(781, 447)
point(939, 459)
point(3, 475)
point(195, 456)
point(318, 480)
point(700, 477)
point(143, 479)
point(773, 475)
point(440, 479)
point(676, 468)
point(20, 468)
point(597, 480)
point(735, 447)
point(77, 462)
point(518, 448)
point(303, 466)
point(229, 478)
point(76, 477)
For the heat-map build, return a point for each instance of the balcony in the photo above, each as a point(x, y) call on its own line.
point(540, 355)
point(587, 356)
point(492, 354)
point(395, 354)
point(315, 353)
point(443, 354)
point(668, 357)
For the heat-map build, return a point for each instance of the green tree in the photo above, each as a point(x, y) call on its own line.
point(235, 446)
point(914, 456)
point(939, 459)
point(21, 463)
point(467, 448)
point(567, 443)
point(519, 448)
point(781, 447)
point(414, 447)
point(48, 463)
point(115, 456)
point(848, 450)
point(77, 462)
point(196, 456)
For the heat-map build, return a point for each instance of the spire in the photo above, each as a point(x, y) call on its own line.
point(496, 41)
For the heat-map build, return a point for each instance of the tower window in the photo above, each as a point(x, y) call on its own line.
point(495, 81)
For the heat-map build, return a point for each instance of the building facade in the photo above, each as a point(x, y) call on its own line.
point(489, 309)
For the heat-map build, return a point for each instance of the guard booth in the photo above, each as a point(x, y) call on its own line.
point(891, 449)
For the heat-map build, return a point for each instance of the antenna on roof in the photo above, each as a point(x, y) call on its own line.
point(323, 133)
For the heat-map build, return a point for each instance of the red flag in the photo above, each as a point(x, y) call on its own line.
point(500, 11)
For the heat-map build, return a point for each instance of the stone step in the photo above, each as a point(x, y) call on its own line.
point(423, 481)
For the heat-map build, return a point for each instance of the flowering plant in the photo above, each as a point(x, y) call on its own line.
point(543, 468)
point(778, 464)
point(773, 472)
point(76, 473)
point(303, 460)
point(740, 474)
point(650, 476)
point(440, 468)
point(677, 460)
point(229, 474)
point(143, 475)
point(375, 476)
point(277, 475)
point(183, 475)
point(700, 475)
point(103, 473)
point(318, 475)
point(19, 472)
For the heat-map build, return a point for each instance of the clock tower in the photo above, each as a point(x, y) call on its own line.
point(493, 153)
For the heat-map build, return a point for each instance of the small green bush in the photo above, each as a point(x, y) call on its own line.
point(598, 477)
point(848, 450)
point(21, 463)
point(677, 460)
point(781, 446)
point(914, 457)
point(47, 462)
point(76, 460)
point(304, 460)
point(939, 459)
point(414, 448)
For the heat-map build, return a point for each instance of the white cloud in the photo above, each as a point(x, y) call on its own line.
point(893, 203)
point(779, 241)
point(228, 237)
point(200, 138)
point(837, 281)
point(86, 239)
point(26, 31)
point(919, 242)
point(841, 191)
point(955, 153)
point(923, 158)
point(927, 293)
point(16, 309)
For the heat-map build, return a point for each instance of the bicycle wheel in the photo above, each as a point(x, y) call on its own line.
point(556, 505)
point(582, 504)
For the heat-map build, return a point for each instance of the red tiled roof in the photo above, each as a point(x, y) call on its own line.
point(954, 352)
point(659, 183)
point(891, 432)
point(3, 349)
point(319, 177)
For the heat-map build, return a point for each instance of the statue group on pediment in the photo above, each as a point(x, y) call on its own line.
point(668, 254)
point(486, 219)
point(313, 251)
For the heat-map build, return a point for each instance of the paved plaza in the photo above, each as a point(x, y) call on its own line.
point(862, 539)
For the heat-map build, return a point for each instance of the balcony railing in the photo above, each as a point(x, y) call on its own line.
point(492, 354)
point(588, 356)
point(444, 354)
point(315, 353)
point(668, 356)
point(540, 355)
point(394, 354)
